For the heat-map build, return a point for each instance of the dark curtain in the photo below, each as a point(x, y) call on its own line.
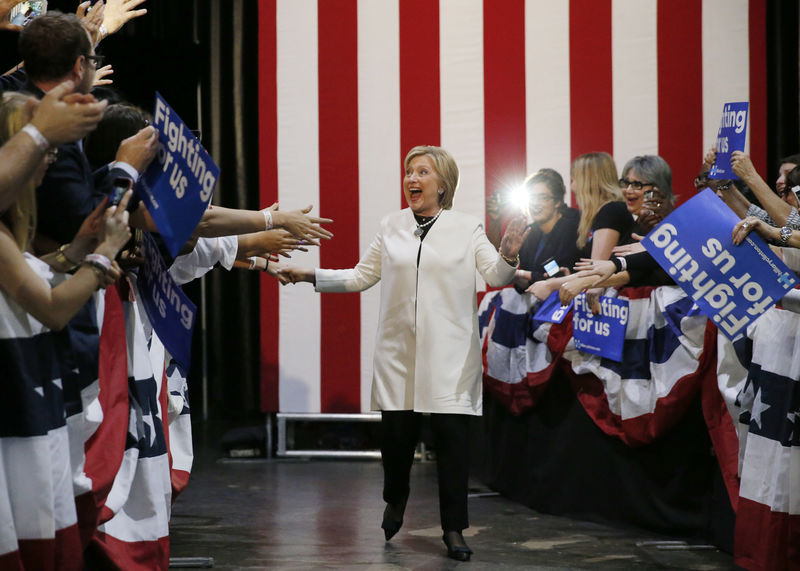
point(783, 104)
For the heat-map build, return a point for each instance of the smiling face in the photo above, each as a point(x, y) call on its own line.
point(634, 197)
point(542, 206)
point(421, 186)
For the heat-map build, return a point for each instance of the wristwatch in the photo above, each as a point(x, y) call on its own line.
point(786, 233)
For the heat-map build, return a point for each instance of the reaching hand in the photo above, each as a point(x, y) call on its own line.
point(63, 117)
point(101, 74)
point(541, 290)
point(744, 227)
point(91, 18)
point(628, 249)
point(515, 235)
point(304, 227)
point(604, 269)
point(120, 12)
point(291, 275)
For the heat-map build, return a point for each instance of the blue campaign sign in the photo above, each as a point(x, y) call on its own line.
point(178, 185)
point(730, 137)
point(733, 285)
point(602, 334)
point(551, 309)
point(171, 313)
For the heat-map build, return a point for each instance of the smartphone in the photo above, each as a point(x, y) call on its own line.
point(551, 268)
point(23, 13)
point(796, 192)
point(121, 185)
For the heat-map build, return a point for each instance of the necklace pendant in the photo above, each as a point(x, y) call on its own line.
point(418, 232)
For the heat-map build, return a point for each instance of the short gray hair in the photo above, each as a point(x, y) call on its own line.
point(655, 170)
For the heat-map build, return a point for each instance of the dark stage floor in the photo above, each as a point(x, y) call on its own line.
point(325, 514)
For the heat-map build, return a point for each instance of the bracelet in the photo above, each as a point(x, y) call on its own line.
point(103, 31)
point(63, 260)
point(37, 137)
point(511, 261)
point(267, 218)
point(99, 272)
point(99, 261)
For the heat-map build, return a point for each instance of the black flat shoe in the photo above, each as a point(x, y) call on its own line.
point(457, 548)
point(393, 519)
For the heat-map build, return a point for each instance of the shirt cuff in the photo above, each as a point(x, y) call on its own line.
point(132, 172)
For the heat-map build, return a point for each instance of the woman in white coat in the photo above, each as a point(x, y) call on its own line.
point(427, 353)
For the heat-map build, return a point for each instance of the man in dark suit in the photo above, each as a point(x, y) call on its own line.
point(56, 47)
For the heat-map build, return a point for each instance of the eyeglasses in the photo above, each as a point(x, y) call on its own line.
point(634, 184)
point(96, 59)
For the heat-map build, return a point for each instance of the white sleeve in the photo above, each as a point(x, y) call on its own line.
point(365, 275)
point(493, 268)
point(205, 255)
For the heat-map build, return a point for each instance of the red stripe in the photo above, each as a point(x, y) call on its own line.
point(591, 118)
point(758, 84)
point(340, 338)
point(108, 552)
point(64, 552)
point(268, 193)
point(105, 448)
point(504, 93)
point(680, 91)
point(766, 540)
point(420, 100)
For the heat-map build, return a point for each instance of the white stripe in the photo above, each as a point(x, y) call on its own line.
point(298, 186)
point(461, 76)
point(547, 89)
point(39, 483)
point(145, 514)
point(726, 60)
point(771, 474)
point(635, 79)
point(379, 150)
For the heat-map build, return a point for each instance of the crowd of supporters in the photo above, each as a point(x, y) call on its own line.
point(70, 249)
point(598, 246)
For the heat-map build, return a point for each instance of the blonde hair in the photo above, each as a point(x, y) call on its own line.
point(21, 215)
point(446, 169)
point(596, 184)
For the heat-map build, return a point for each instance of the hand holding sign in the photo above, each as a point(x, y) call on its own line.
point(730, 137)
point(139, 149)
point(742, 166)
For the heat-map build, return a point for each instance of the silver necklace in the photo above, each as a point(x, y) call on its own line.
point(418, 231)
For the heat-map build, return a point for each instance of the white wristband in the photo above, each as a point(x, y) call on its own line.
point(267, 218)
point(37, 137)
point(98, 260)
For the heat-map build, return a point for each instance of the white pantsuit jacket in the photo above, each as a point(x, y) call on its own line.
point(427, 351)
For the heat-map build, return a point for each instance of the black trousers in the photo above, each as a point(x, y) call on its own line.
point(400, 434)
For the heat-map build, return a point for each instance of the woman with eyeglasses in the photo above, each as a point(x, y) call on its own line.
point(605, 220)
point(553, 234)
point(646, 184)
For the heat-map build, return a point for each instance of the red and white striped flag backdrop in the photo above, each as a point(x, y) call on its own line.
point(347, 87)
